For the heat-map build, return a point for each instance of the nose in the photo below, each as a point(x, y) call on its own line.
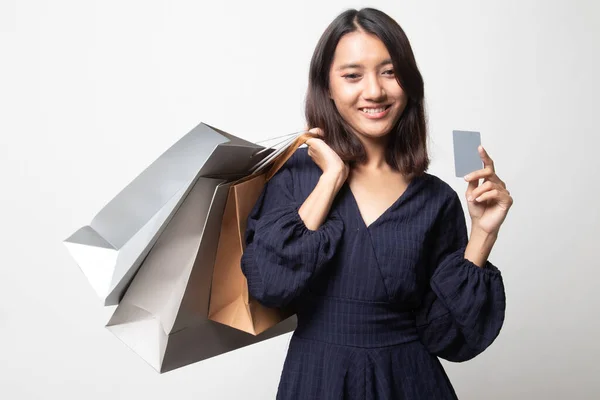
point(373, 89)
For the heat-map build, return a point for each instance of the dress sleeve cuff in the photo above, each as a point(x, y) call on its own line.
point(457, 274)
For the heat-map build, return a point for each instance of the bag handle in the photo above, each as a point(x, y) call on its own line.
point(283, 157)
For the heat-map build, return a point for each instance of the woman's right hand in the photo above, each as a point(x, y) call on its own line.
point(330, 163)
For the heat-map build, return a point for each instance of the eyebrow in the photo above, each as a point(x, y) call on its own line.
point(355, 65)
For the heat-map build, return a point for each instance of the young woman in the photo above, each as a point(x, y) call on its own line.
point(370, 250)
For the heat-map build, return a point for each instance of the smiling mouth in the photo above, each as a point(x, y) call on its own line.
point(374, 111)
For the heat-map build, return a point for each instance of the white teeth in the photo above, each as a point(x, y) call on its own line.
point(373, 110)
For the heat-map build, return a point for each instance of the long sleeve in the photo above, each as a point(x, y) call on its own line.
point(282, 254)
point(463, 308)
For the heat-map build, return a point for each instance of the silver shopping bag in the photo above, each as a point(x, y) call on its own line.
point(111, 248)
point(163, 316)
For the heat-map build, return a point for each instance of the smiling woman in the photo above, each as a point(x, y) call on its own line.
point(362, 64)
point(369, 249)
point(367, 87)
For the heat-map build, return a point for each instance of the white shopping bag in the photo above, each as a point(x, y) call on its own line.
point(111, 248)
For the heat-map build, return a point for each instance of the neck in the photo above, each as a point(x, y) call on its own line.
point(375, 150)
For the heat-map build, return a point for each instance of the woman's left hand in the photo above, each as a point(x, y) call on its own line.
point(489, 202)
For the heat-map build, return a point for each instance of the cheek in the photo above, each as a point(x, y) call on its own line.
point(345, 96)
point(395, 90)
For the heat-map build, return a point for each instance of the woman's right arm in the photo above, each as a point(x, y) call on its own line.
point(316, 207)
point(288, 241)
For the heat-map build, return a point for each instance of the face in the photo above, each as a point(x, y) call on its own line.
point(363, 86)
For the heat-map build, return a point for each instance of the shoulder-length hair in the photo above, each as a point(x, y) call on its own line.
point(407, 147)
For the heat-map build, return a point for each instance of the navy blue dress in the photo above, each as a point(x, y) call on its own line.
point(376, 305)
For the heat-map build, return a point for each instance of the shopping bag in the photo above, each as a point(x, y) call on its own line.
point(111, 248)
point(163, 315)
point(230, 302)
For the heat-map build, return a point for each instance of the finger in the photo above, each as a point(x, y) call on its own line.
point(479, 174)
point(472, 186)
point(485, 157)
point(489, 195)
point(318, 131)
point(501, 197)
point(484, 187)
point(486, 173)
point(312, 141)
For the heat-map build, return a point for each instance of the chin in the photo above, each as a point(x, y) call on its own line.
point(373, 131)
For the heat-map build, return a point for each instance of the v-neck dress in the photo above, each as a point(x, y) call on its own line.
point(376, 305)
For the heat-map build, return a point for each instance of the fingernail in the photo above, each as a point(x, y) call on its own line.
point(466, 177)
point(470, 198)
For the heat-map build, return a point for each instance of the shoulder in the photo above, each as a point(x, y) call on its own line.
point(300, 164)
point(300, 158)
point(439, 192)
point(437, 186)
point(299, 173)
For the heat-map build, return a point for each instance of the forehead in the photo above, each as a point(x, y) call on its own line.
point(359, 48)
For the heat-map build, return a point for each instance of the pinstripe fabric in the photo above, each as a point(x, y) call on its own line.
point(376, 305)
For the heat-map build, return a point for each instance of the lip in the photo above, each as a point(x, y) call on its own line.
point(378, 115)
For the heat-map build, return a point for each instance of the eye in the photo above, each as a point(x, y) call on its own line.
point(389, 72)
point(351, 76)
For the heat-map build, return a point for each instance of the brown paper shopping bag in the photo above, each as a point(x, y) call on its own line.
point(230, 302)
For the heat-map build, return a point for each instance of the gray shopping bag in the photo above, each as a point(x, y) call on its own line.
point(111, 248)
point(163, 316)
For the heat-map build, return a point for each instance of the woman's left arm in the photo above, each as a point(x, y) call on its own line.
point(488, 206)
point(463, 311)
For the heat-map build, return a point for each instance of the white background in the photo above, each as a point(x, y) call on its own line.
point(92, 92)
